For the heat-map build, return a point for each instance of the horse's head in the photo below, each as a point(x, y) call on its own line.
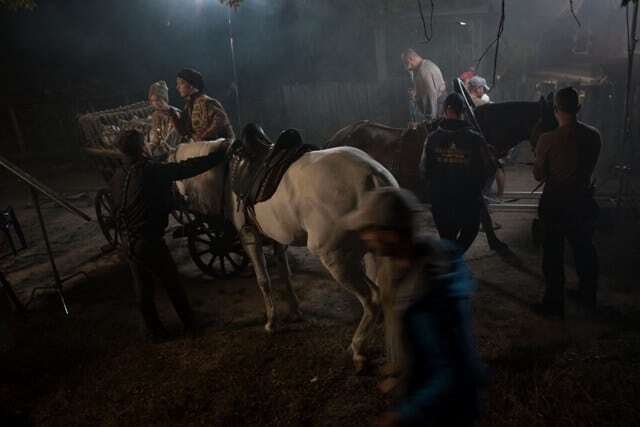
point(546, 121)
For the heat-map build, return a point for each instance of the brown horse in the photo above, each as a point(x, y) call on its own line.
point(504, 125)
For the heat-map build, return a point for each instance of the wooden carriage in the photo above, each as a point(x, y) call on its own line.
point(212, 241)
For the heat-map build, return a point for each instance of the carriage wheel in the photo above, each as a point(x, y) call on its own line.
point(216, 249)
point(182, 216)
point(106, 216)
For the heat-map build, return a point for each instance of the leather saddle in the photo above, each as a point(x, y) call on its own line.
point(256, 165)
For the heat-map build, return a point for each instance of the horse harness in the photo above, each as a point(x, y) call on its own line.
point(256, 167)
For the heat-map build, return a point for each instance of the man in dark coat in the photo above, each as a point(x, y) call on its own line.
point(142, 194)
point(203, 118)
point(565, 161)
point(456, 164)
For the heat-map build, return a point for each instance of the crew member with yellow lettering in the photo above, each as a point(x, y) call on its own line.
point(456, 164)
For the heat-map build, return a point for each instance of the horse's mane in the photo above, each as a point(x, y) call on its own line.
point(375, 125)
point(509, 106)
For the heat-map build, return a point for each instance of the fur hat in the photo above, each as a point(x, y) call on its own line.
point(160, 89)
point(193, 77)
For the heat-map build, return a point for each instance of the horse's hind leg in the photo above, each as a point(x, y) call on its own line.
point(346, 269)
point(285, 274)
point(252, 244)
point(371, 268)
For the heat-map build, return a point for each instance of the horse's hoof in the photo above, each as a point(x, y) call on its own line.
point(359, 361)
point(375, 297)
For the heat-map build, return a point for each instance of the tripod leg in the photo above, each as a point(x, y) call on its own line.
point(12, 295)
point(7, 233)
point(17, 227)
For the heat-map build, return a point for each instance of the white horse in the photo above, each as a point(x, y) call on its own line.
point(315, 192)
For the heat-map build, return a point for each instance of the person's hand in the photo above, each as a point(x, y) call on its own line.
point(388, 419)
point(412, 94)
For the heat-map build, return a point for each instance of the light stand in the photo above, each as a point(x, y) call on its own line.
point(624, 169)
point(236, 89)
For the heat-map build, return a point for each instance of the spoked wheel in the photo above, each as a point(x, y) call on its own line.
point(105, 212)
point(216, 249)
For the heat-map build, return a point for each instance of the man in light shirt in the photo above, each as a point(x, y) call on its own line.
point(429, 86)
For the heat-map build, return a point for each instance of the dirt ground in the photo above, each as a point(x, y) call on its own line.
point(93, 367)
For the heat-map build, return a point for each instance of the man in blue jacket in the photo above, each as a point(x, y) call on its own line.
point(443, 370)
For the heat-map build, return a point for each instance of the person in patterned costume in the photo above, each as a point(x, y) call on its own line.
point(161, 124)
point(203, 118)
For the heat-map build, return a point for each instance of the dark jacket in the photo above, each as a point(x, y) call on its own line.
point(445, 371)
point(149, 192)
point(456, 162)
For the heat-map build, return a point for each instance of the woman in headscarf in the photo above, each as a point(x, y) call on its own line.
point(203, 118)
point(161, 124)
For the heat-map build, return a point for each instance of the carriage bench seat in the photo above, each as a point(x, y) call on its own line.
point(256, 165)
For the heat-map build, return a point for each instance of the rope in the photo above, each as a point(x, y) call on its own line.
point(495, 42)
point(427, 35)
point(573, 13)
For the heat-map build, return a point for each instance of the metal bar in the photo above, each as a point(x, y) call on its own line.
point(37, 185)
point(513, 207)
point(52, 261)
point(17, 130)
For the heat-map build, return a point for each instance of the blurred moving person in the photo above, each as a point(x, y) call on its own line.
point(432, 294)
point(565, 161)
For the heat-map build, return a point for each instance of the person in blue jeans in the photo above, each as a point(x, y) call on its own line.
point(442, 368)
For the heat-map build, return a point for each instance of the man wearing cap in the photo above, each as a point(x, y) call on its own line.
point(142, 199)
point(565, 161)
point(477, 87)
point(432, 300)
point(203, 118)
point(430, 88)
point(456, 164)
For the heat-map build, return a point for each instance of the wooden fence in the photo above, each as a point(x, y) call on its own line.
point(319, 110)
